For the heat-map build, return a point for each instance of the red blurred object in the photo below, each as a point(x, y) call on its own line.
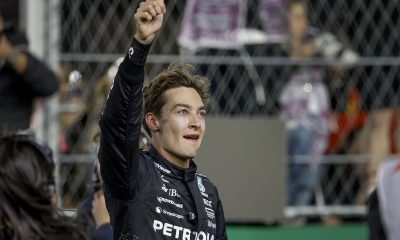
point(353, 119)
point(348, 121)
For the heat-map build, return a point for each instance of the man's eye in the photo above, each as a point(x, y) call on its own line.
point(183, 111)
point(202, 114)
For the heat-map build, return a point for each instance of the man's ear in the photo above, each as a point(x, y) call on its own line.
point(152, 122)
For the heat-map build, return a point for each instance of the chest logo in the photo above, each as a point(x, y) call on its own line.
point(200, 184)
point(170, 191)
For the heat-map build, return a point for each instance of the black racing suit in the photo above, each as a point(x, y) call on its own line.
point(147, 196)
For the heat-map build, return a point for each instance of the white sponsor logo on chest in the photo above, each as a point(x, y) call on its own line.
point(181, 233)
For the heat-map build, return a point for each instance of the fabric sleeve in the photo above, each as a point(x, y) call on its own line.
point(120, 125)
point(221, 225)
point(103, 232)
point(42, 80)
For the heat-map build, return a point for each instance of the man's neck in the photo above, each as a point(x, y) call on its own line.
point(172, 158)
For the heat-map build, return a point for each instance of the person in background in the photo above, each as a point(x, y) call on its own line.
point(305, 108)
point(388, 180)
point(23, 80)
point(383, 216)
point(157, 194)
point(305, 100)
point(92, 212)
point(27, 209)
point(378, 85)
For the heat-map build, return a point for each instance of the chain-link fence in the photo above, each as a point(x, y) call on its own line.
point(356, 45)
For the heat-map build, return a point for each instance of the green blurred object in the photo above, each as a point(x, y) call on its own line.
point(354, 231)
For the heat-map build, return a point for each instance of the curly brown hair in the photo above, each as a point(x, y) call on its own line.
point(176, 75)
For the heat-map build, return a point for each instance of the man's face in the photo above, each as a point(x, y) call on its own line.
point(298, 20)
point(181, 125)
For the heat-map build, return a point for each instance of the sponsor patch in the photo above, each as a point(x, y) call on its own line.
point(200, 184)
point(179, 232)
point(163, 169)
point(165, 200)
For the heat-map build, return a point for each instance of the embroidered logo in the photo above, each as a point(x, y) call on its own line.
point(200, 184)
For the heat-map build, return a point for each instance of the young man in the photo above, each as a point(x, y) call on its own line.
point(157, 194)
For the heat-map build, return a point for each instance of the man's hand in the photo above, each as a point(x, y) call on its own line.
point(8, 51)
point(6, 47)
point(148, 20)
point(99, 209)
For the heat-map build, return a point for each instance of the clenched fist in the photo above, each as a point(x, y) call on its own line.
point(148, 20)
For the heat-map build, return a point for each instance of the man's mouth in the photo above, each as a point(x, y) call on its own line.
point(192, 136)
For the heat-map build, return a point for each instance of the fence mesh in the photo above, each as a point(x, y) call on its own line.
point(358, 44)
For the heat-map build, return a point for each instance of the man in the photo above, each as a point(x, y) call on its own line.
point(23, 79)
point(156, 194)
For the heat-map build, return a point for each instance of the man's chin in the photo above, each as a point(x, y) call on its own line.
point(191, 151)
point(191, 154)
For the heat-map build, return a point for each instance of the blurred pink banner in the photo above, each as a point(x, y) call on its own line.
point(212, 24)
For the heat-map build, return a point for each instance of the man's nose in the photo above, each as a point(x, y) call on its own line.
point(194, 120)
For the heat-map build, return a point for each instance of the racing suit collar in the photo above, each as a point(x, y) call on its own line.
point(170, 169)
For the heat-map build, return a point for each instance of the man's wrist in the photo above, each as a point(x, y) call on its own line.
point(103, 221)
point(142, 45)
point(141, 40)
point(138, 52)
point(18, 59)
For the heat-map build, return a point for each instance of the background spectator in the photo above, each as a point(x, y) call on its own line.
point(305, 108)
point(23, 78)
point(26, 191)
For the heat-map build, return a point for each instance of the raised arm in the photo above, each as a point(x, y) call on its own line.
point(120, 122)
